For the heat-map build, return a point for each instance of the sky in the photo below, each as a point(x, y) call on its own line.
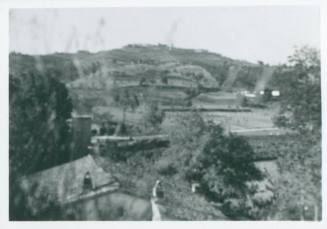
point(252, 33)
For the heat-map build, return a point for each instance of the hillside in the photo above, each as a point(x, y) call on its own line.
point(170, 76)
point(129, 60)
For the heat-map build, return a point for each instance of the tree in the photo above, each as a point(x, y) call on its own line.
point(187, 137)
point(125, 99)
point(221, 163)
point(164, 79)
point(299, 82)
point(151, 120)
point(299, 185)
point(225, 169)
point(267, 96)
point(185, 129)
point(28, 204)
point(39, 134)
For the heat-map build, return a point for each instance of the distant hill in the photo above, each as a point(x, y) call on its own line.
point(176, 74)
point(131, 59)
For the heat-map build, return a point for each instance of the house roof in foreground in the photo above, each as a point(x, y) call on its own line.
point(66, 181)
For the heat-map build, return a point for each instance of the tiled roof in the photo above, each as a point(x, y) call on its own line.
point(66, 181)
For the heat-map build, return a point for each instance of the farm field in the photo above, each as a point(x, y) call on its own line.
point(258, 121)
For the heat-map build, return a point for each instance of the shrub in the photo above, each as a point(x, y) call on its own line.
point(165, 167)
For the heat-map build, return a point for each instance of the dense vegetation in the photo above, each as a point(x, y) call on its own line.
point(223, 165)
point(39, 108)
point(301, 97)
point(301, 111)
point(39, 134)
point(62, 66)
point(198, 153)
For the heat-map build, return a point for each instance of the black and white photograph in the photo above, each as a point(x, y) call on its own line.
point(188, 113)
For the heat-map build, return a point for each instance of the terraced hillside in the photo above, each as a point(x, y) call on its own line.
point(170, 76)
